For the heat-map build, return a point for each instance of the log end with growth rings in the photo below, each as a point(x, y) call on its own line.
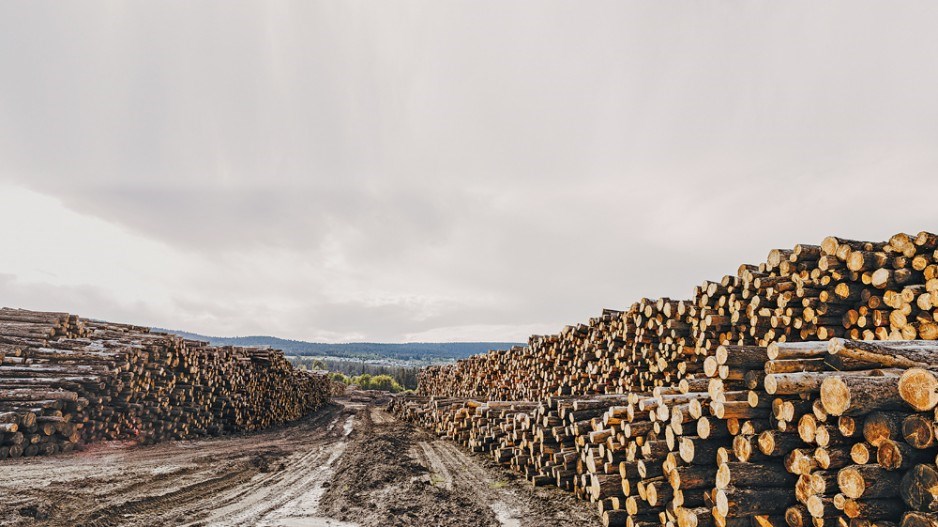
point(835, 395)
point(770, 384)
point(835, 346)
point(919, 487)
point(686, 518)
point(724, 476)
point(851, 482)
point(815, 506)
point(919, 388)
point(766, 443)
point(797, 516)
point(722, 503)
point(686, 449)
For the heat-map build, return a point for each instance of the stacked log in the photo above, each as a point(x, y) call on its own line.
point(834, 442)
point(648, 345)
point(840, 288)
point(66, 381)
point(580, 360)
point(749, 354)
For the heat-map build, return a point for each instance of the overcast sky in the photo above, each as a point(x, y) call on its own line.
point(434, 170)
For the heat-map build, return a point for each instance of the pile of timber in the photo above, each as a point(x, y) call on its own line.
point(837, 433)
point(841, 288)
point(749, 404)
point(67, 381)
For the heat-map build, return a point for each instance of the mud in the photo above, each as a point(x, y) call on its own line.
point(350, 465)
point(394, 474)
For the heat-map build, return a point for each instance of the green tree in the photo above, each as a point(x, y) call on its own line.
point(338, 377)
point(363, 381)
point(385, 383)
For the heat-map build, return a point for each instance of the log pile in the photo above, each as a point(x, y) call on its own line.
point(791, 393)
point(840, 288)
point(66, 381)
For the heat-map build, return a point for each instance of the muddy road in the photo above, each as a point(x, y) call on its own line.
point(350, 465)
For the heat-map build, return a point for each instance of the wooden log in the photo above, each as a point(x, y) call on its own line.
point(739, 502)
point(886, 509)
point(800, 462)
point(894, 455)
point(775, 444)
point(892, 354)
point(614, 518)
point(918, 431)
point(881, 426)
point(868, 481)
point(821, 507)
point(853, 395)
point(691, 477)
point(740, 474)
point(919, 388)
point(862, 453)
point(797, 516)
point(833, 458)
point(919, 488)
point(919, 519)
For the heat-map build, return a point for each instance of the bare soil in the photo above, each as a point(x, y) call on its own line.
point(349, 465)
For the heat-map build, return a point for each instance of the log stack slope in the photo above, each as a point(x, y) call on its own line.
point(67, 381)
point(800, 391)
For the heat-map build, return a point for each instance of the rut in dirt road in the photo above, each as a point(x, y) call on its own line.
point(393, 474)
point(239, 480)
point(349, 465)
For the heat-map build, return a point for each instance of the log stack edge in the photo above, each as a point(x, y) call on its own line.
point(67, 381)
point(800, 391)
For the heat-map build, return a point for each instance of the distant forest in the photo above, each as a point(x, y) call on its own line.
point(416, 351)
point(406, 376)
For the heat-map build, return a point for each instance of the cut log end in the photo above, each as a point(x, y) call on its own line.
point(851, 482)
point(919, 388)
point(919, 487)
point(835, 395)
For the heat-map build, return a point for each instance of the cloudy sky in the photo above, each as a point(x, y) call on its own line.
point(440, 170)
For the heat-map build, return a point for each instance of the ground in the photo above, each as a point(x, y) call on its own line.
point(349, 465)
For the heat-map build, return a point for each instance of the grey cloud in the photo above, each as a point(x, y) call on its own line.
point(227, 219)
point(437, 164)
point(86, 300)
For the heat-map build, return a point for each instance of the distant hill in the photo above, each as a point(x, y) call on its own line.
point(413, 351)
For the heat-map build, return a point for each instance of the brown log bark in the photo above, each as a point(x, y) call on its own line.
point(895, 455)
point(744, 475)
point(868, 481)
point(740, 502)
point(881, 426)
point(886, 509)
point(918, 431)
point(920, 519)
point(853, 395)
point(919, 488)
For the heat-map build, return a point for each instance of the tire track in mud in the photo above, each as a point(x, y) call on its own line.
point(285, 495)
point(397, 475)
point(154, 506)
point(508, 509)
point(379, 483)
point(346, 466)
point(515, 502)
point(264, 488)
point(173, 483)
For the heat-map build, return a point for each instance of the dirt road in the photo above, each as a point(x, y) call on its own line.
point(350, 465)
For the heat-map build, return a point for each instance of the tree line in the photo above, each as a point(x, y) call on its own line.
point(358, 372)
